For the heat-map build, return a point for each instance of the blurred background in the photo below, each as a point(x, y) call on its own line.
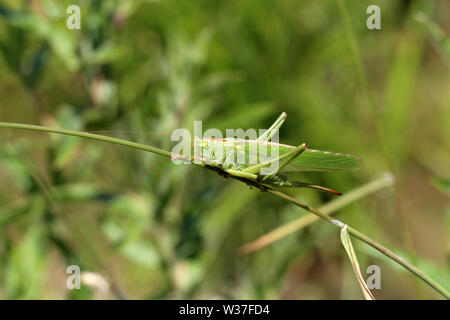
point(139, 226)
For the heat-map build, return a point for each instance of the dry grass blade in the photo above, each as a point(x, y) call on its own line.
point(347, 243)
point(386, 180)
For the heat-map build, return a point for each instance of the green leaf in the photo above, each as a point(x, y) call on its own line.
point(25, 266)
point(66, 146)
point(75, 192)
point(142, 252)
point(125, 224)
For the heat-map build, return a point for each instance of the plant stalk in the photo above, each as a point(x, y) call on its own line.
point(279, 194)
point(386, 180)
point(87, 135)
point(367, 240)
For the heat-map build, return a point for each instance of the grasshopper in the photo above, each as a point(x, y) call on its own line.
point(290, 159)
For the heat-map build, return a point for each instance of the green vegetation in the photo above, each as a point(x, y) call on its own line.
point(156, 230)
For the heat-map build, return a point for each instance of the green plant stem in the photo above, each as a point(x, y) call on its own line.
point(86, 135)
point(367, 240)
point(279, 194)
point(386, 180)
point(114, 286)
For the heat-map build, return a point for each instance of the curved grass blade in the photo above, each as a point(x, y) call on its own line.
point(347, 243)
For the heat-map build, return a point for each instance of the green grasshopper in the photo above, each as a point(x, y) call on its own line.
point(290, 158)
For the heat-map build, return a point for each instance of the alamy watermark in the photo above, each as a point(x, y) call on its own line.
point(74, 20)
point(94, 280)
point(374, 20)
point(238, 147)
point(374, 280)
point(74, 280)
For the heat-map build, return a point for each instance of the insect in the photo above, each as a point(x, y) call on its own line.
point(289, 159)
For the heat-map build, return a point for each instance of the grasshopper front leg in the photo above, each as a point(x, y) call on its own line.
point(242, 174)
point(249, 178)
point(291, 156)
point(251, 172)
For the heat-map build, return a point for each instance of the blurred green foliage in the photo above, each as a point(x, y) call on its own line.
point(140, 69)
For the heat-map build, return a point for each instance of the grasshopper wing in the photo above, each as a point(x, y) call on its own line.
point(318, 160)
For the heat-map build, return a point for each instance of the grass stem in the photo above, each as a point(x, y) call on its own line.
point(386, 180)
point(278, 194)
point(433, 284)
point(86, 135)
